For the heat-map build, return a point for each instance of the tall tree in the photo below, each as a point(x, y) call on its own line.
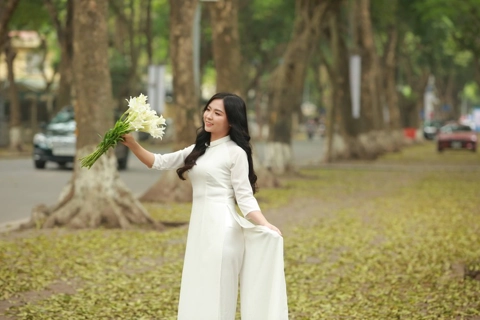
point(226, 46)
point(368, 134)
point(16, 128)
point(227, 58)
point(64, 31)
point(342, 127)
point(463, 23)
point(263, 38)
point(186, 101)
point(130, 17)
point(287, 82)
point(372, 110)
point(7, 8)
point(96, 196)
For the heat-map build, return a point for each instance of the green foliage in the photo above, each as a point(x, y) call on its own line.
point(30, 15)
point(394, 239)
point(265, 27)
point(471, 91)
point(160, 30)
point(461, 19)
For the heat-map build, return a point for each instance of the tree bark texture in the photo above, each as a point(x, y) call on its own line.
point(390, 59)
point(394, 129)
point(16, 129)
point(371, 110)
point(7, 8)
point(95, 196)
point(185, 104)
point(349, 137)
point(417, 79)
point(129, 22)
point(344, 130)
point(65, 40)
point(148, 30)
point(341, 124)
point(226, 45)
point(228, 64)
point(287, 82)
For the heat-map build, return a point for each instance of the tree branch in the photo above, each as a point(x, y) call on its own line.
point(6, 11)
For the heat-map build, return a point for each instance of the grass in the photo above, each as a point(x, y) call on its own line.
point(396, 243)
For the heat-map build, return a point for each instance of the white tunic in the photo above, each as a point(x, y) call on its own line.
point(224, 247)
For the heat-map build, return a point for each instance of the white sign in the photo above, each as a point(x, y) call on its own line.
point(156, 87)
point(355, 80)
point(476, 119)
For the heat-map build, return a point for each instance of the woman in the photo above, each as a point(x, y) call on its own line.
point(223, 247)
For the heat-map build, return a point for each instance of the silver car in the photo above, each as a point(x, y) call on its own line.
point(56, 142)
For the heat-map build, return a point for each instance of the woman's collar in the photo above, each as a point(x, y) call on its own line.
point(219, 141)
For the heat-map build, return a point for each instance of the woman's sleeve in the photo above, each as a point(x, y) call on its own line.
point(241, 184)
point(171, 161)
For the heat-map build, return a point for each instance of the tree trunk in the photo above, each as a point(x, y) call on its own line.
point(226, 45)
point(370, 101)
point(64, 92)
point(287, 83)
point(185, 103)
point(96, 196)
point(449, 93)
point(16, 130)
point(7, 8)
point(343, 130)
point(148, 31)
point(418, 87)
point(65, 38)
point(373, 137)
point(227, 57)
point(129, 27)
point(391, 94)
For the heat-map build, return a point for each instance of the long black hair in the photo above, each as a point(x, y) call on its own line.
point(236, 112)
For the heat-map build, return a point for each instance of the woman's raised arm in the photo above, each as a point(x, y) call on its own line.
point(140, 152)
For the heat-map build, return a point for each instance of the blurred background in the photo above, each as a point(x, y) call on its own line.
point(364, 76)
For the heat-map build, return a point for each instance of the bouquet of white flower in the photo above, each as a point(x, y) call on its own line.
point(138, 117)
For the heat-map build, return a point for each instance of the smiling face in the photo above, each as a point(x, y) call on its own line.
point(215, 120)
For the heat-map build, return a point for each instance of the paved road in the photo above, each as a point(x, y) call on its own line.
point(22, 187)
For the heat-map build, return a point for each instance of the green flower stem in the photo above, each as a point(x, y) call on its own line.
point(111, 138)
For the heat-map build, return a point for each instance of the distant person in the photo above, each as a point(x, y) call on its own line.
point(311, 128)
point(224, 248)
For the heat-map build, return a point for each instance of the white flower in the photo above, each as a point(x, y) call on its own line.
point(138, 117)
point(142, 118)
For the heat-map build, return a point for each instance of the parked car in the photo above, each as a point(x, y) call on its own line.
point(457, 136)
point(56, 142)
point(431, 128)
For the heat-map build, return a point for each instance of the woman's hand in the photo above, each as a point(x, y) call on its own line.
point(129, 140)
point(259, 219)
point(272, 227)
point(143, 155)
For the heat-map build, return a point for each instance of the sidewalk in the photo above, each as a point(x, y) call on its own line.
point(6, 153)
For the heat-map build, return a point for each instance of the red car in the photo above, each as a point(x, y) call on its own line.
point(456, 136)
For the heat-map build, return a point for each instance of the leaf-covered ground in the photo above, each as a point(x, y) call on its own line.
point(398, 238)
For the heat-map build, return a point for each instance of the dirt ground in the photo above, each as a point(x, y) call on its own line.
point(381, 179)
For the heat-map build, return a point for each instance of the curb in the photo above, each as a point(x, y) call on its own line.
point(12, 225)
